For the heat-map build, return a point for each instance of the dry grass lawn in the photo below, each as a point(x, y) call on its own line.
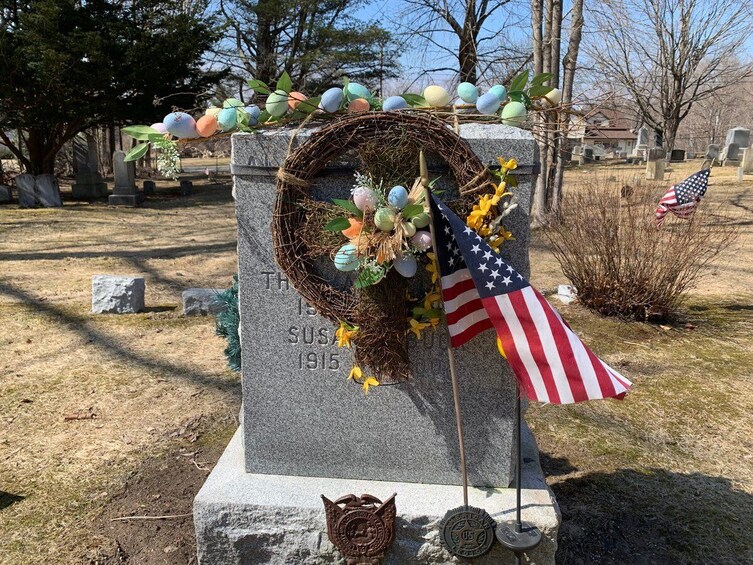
point(665, 476)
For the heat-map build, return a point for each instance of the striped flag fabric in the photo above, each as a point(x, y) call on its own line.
point(682, 199)
point(481, 291)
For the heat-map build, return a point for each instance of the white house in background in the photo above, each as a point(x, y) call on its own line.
point(608, 131)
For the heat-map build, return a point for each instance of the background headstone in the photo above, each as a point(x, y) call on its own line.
point(113, 294)
point(731, 155)
point(656, 154)
point(89, 182)
point(150, 187)
point(738, 135)
point(26, 185)
point(747, 160)
point(202, 302)
point(186, 188)
point(125, 192)
point(6, 194)
point(677, 156)
point(641, 139)
point(655, 169)
point(48, 191)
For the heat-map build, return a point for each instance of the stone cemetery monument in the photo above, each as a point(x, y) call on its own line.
point(113, 294)
point(307, 430)
point(730, 155)
point(202, 302)
point(89, 183)
point(150, 187)
point(6, 194)
point(26, 185)
point(712, 152)
point(677, 156)
point(738, 135)
point(48, 191)
point(125, 192)
point(747, 160)
point(641, 145)
point(656, 164)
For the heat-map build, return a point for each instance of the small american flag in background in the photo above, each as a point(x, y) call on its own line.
point(481, 291)
point(682, 199)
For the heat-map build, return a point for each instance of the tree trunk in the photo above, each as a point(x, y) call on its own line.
point(539, 66)
point(468, 57)
point(569, 64)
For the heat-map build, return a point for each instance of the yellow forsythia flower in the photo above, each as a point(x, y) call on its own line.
point(369, 382)
point(355, 373)
point(430, 299)
point(499, 346)
point(344, 333)
point(417, 327)
point(432, 267)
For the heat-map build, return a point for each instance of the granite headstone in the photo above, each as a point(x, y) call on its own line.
point(125, 192)
point(6, 194)
point(677, 156)
point(294, 372)
point(48, 191)
point(731, 155)
point(89, 183)
point(26, 185)
point(738, 135)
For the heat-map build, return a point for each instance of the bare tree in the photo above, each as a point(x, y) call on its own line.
point(462, 30)
point(670, 54)
point(551, 128)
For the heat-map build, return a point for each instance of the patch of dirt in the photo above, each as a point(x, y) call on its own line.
point(159, 499)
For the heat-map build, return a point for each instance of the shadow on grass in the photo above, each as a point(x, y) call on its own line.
point(110, 346)
point(652, 516)
point(7, 499)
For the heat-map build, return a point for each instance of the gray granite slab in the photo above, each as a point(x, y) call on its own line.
point(48, 191)
point(26, 185)
point(6, 194)
point(301, 415)
point(115, 294)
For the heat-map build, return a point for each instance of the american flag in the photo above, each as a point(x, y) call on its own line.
point(682, 199)
point(481, 291)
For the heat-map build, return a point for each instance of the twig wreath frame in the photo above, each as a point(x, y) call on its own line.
point(294, 178)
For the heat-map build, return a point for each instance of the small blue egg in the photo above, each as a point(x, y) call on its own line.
point(253, 112)
point(227, 119)
point(332, 99)
point(406, 265)
point(487, 103)
point(394, 103)
point(346, 258)
point(398, 197)
point(468, 92)
point(181, 125)
point(356, 91)
point(499, 91)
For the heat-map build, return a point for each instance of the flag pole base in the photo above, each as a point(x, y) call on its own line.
point(521, 541)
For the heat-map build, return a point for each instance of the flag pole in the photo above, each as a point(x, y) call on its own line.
point(424, 172)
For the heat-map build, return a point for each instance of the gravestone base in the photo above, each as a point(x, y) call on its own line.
point(243, 518)
point(89, 185)
point(133, 200)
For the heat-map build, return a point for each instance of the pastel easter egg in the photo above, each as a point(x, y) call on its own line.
point(436, 96)
point(354, 230)
point(394, 103)
point(277, 103)
point(487, 103)
point(421, 241)
point(227, 119)
point(398, 197)
point(420, 220)
point(212, 112)
point(232, 103)
point(206, 125)
point(408, 229)
point(468, 92)
point(295, 98)
point(406, 265)
point(346, 258)
point(253, 112)
point(499, 91)
point(554, 96)
point(356, 90)
point(181, 125)
point(384, 219)
point(513, 114)
point(331, 99)
point(359, 105)
point(160, 127)
point(365, 199)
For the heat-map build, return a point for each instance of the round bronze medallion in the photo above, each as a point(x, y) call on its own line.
point(360, 531)
point(467, 531)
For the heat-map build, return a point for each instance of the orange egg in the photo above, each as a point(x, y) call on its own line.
point(359, 105)
point(295, 98)
point(355, 228)
point(206, 125)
